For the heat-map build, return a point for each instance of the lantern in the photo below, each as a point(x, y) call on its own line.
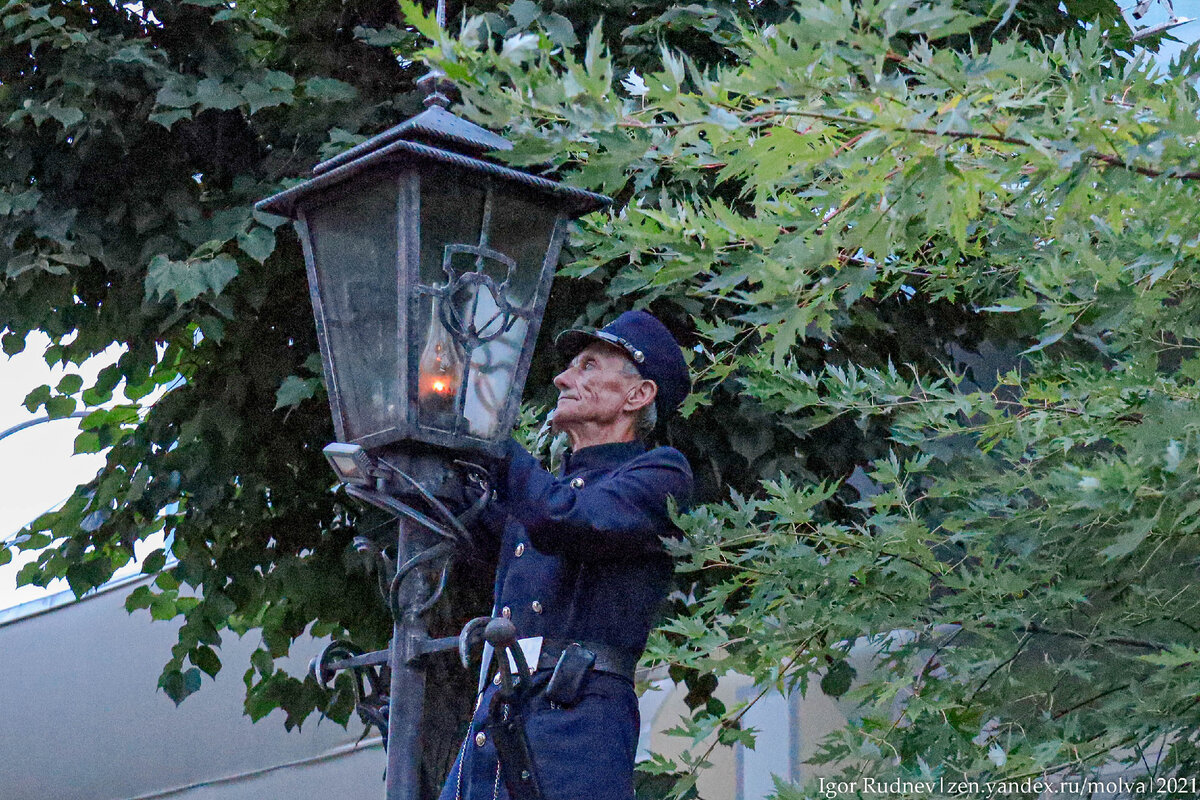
point(429, 267)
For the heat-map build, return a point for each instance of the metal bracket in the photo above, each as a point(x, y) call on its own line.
point(407, 591)
point(368, 671)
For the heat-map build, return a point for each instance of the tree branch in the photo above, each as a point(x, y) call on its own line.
point(1020, 646)
point(1034, 628)
point(763, 117)
point(1092, 699)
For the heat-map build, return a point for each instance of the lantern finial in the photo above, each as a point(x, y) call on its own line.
point(437, 87)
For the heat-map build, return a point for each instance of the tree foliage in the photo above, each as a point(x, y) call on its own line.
point(953, 286)
point(933, 263)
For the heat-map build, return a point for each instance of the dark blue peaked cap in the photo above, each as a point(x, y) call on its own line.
point(649, 345)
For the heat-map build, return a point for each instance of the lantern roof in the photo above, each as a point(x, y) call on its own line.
point(433, 135)
point(434, 126)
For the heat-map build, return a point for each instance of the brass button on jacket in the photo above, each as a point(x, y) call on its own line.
point(480, 739)
point(576, 483)
point(536, 606)
point(520, 551)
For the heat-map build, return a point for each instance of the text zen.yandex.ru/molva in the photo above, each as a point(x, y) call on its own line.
point(897, 787)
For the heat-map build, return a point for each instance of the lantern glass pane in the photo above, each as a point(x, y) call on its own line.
point(482, 250)
point(354, 249)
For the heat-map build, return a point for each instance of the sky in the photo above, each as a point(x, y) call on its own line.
point(38, 470)
point(1157, 14)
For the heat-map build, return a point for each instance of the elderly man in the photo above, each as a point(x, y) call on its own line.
point(582, 570)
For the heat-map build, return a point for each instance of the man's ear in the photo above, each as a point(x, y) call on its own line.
point(641, 395)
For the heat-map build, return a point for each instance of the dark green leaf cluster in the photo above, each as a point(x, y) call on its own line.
point(136, 141)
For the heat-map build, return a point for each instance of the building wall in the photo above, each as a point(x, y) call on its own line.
point(788, 729)
point(81, 718)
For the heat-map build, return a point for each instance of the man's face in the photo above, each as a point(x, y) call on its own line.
point(594, 388)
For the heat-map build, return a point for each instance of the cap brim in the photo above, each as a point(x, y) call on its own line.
point(571, 342)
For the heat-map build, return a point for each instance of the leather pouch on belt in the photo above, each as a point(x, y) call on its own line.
point(566, 684)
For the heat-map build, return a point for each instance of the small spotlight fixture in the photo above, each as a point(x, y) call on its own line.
point(350, 462)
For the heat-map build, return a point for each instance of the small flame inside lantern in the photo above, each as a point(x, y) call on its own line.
point(440, 367)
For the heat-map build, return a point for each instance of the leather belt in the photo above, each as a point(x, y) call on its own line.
point(616, 660)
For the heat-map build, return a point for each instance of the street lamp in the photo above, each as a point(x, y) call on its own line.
point(429, 267)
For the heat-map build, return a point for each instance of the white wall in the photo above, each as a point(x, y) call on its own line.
point(81, 717)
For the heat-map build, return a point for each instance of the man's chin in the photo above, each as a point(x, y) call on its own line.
point(557, 418)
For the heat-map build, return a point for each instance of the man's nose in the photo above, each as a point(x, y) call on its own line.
point(560, 380)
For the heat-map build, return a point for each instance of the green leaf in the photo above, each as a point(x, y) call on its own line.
point(1044, 342)
point(425, 23)
point(262, 661)
point(12, 343)
point(176, 94)
point(269, 25)
point(206, 659)
point(83, 576)
point(169, 118)
point(258, 242)
point(271, 221)
point(218, 606)
point(329, 90)
point(1010, 304)
point(37, 398)
point(88, 442)
point(141, 597)
point(725, 118)
point(34, 541)
point(60, 407)
point(1008, 12)
point(837, 679)
point(1176, 656)
point(31, 575)
point(187, 280)
point(155, 561)
point(524, 12)
point(74, 259)
point(388, 36)
point(314, 364)
point(266, 93)
point(137, 54)
point(212, 93)
point(1126, 543)
point(162, 607)
point(70, 384)
point(178, 685)
point(67, 116)
point(560, 29)
point(295, 390)
point(102, 391)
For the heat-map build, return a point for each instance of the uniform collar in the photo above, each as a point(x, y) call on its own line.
point(602, 456)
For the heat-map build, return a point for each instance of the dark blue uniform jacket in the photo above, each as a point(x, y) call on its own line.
point(581, 558)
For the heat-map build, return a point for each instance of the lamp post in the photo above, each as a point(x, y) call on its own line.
point(29, 423)
point(429, 267)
